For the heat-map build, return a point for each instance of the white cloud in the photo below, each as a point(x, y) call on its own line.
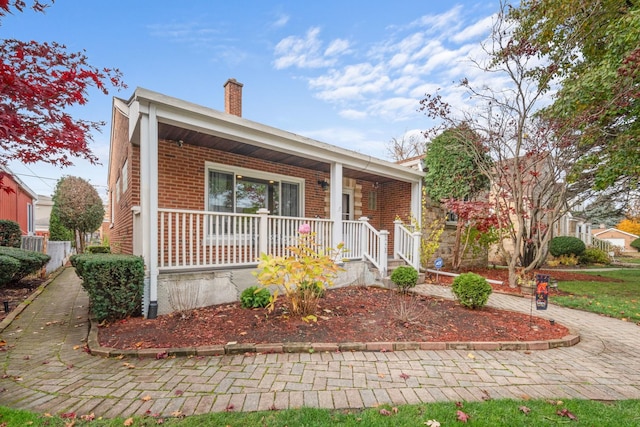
point(479, 29)
point(280, 21)
point(306, 52)
point(393, 74)
point(337, 47)
point(353, 114)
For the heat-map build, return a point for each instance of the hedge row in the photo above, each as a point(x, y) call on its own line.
point(16, 263)
point(114, 284)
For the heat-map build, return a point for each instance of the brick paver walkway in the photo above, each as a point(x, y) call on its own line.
point(46, 370)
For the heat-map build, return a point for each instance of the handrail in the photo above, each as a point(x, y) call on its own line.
point(406, 244)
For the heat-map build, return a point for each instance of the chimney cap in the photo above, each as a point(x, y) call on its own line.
point(234, 81)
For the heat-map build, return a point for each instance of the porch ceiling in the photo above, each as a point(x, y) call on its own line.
point(175, 133)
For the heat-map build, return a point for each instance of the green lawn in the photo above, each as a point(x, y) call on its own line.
point(489, 413)
point(629, 260)
point(616, 299)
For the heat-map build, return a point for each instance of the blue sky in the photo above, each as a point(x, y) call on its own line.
point(348, 73)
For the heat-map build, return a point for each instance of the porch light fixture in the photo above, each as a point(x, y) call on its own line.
point(179, 143)
point(324, 184)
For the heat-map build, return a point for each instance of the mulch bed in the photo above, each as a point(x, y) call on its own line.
point(362, 314)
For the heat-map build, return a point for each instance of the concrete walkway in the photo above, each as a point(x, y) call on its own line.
point(45, 368)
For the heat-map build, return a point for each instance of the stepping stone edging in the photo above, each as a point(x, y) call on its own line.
point(306, 347)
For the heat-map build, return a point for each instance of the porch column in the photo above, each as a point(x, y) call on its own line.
point(416, 201)
point(335, 194)
point(149, 204)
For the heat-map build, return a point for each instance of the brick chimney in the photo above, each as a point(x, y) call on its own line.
point(233, 97)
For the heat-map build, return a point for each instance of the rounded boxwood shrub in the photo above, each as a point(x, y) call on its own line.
point(566, 245)
point(98, 250)
point(594, 256)
point(472, 290)
point(255, 297)
point(405, 277)
point(636, 244)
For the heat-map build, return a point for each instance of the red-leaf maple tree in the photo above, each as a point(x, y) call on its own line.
point(38, 83)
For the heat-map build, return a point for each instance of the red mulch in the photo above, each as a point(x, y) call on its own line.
point(347, 314)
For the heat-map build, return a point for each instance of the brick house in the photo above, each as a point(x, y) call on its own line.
point(18, 204)
point(200, 193)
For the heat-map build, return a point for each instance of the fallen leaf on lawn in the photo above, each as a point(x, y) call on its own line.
point(459, 405)
point(70, 424)
point(385, 412)
point(146, 398)
point(229, 407)
point(128, 422)
point(177, 414)
point(524, 409)
point(565, 413)
point(555, 402)
point(485, 395)
point(404, 376)
point(70, 415)
point(432, 423)
point(461, 416)
point(394, 410)
point(76, 347)
point(89, 417)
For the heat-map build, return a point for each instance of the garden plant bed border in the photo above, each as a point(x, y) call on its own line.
point(95, 349)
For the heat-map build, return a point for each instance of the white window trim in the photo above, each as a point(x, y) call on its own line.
point(125, 176)
point(252, 173)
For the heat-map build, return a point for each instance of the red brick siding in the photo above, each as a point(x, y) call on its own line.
point(122, 231)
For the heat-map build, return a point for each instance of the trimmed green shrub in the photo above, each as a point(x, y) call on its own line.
point(594, 256)
point(472, 290)
point(9, 266)
point(405, 277)
point(566, 245)
point(636, 244)
point(255, 297)
point(10, 234)
point(114, 284)
point(29, 262)
point(98, 249)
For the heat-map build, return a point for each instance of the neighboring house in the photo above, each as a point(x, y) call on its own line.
point(43, 215)
point(200, 193)
point(615, 237)
point(18, 204)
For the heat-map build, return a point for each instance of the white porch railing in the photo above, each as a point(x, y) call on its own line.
point(199, 239)
point(406, 244)
point(362, 241)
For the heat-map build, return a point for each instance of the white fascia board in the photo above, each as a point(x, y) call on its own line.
point(206, 120)
point(615, 230)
